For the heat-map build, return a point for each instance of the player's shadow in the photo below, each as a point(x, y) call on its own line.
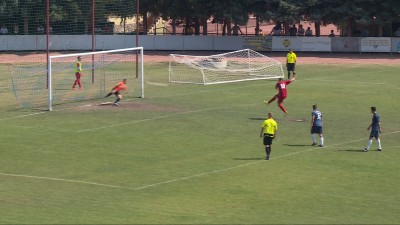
point(244, 159)
point(350, 150)
point(290, 145)
point(262, 119)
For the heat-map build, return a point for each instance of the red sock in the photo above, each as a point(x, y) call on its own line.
point(282, 108)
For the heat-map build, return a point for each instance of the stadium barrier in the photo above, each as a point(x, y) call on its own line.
point(201, 43)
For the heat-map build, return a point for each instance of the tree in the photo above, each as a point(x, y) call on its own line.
point(228, 12)
point(350, 15)
point(9, 13)
point(124, 9)
point(149, 6)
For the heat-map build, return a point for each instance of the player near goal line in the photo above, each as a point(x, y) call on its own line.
point(78, 73)
point(116, 91)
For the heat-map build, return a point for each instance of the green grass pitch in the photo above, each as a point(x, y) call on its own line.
point(192, 154)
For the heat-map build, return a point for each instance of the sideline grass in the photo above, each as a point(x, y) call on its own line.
point(193, 155)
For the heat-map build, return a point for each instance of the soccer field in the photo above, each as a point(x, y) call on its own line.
point(191, 154)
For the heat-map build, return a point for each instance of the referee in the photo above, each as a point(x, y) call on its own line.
point(268, 133)
point(291, 62)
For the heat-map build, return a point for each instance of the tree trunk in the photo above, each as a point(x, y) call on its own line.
point(205, 27)
point(257, 29)
point(86, 27)
point(380, 31)
point(145, 25)
point(349, 28)
point(317, 28)
point(188, 29)
point(224, 28)
point(124, 21)
point(174, 26)
point(26, 25)
point(196, 26)
point(229, 27)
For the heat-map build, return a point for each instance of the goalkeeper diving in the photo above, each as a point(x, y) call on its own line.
point(120, 86)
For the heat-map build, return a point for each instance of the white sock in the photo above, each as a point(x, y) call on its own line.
point(322, 140)
point(369, 144)
point(314, 140)
point(379, 143)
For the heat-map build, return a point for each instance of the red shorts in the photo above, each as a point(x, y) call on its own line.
point(280, 98)
point(78, 75)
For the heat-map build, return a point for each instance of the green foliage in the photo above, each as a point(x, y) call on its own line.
point(78, 13)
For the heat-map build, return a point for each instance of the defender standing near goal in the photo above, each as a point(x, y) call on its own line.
point(282, 87)
point(291, 62)
point(116, 91)
point(78, 74)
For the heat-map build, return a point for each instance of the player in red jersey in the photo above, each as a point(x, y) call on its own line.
point(282, 87)
point(116, 91)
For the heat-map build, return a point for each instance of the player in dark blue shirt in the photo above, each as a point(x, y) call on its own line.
point(316, 126)
point(375, 130)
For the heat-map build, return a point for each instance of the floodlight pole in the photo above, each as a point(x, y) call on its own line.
point(47, 37)
point(137, 35)
point(50, 100)
point(93, 40)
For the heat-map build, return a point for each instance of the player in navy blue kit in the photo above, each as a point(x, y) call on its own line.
point(316, 126)
point(375, 130)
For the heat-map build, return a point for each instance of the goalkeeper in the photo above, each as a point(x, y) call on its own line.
point(116, 91)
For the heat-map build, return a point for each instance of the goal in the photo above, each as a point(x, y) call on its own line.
point(100, 72)
point(242, 65)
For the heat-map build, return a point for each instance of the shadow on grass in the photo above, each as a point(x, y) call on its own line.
point(297, 145)
point(260, 119)
point(249, 158)
point(351, 150)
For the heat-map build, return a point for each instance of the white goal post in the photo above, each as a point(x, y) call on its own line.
point(100, 72)
point(241, 65)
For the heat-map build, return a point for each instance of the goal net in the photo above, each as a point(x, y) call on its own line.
point(234, 66)
point(38, 86)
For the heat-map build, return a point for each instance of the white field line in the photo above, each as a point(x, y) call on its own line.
point(39, 113)
point(17, 117)
point(182, 178)
point(64, 180)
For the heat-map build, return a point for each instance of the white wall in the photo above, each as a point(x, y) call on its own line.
point(195, 43)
